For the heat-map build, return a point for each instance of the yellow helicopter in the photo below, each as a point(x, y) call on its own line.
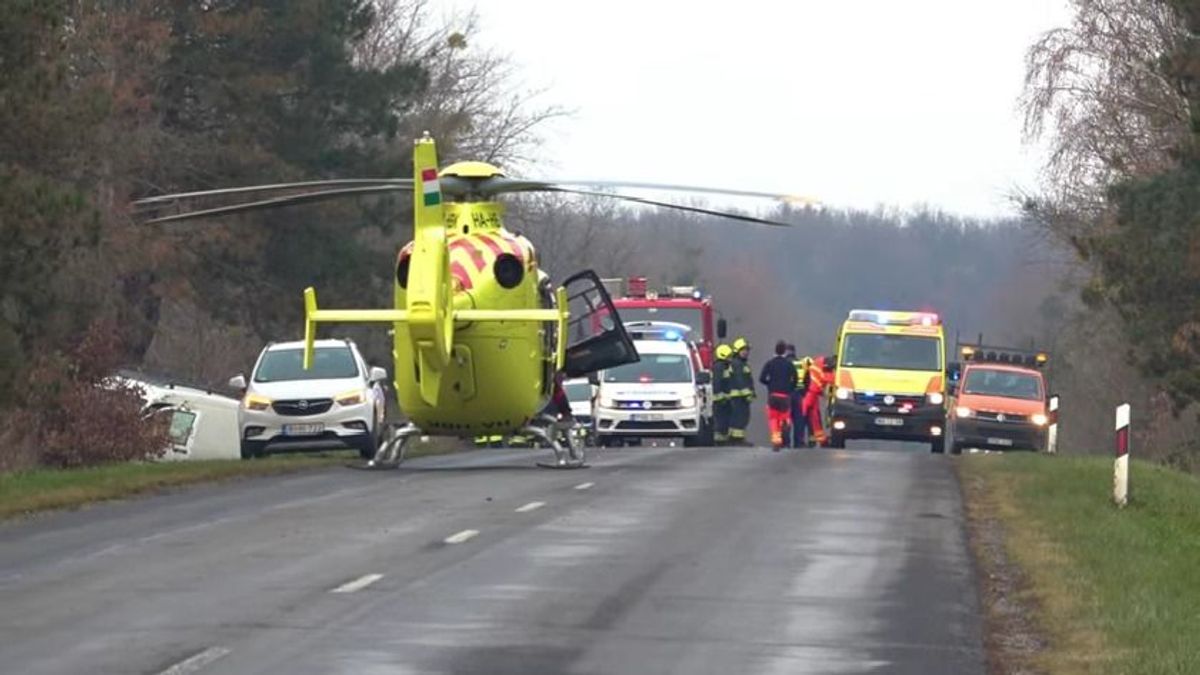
point(481, 335)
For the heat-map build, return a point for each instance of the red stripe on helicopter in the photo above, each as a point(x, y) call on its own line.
point(517, 247)
point(429, 174)
point(491, 243)
point(464, 244)
point(459, 272)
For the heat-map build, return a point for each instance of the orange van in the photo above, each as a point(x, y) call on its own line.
point(1000, 404)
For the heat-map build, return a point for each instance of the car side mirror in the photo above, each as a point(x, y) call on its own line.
point(722, 328)
point(238, 382)
point(704, 377)
point(593, 379)
point(378, 375)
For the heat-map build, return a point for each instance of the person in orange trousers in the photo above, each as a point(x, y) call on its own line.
point(779, 377)
point(811, 406)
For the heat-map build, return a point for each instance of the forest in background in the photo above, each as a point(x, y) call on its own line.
point(103, 102)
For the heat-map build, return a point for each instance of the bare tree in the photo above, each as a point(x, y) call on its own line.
point(474, 95)
point(1099, 90)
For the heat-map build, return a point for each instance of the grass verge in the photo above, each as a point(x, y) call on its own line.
point(1112, 590)
point(28, 492)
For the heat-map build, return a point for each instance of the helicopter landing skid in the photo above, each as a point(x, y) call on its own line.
point(567, 446)
point(391, 453)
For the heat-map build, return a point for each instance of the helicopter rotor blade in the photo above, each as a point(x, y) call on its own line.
point(279, 202)
point(272, 188)
point(787, 198)
point(669, 205)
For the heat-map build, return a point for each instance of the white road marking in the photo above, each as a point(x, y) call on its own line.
point(459, 538)
point(531, 506)
point(584, 486)
point(196, 661)
point(358, 584)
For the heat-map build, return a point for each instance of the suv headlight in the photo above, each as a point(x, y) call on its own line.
point(607, 402)
point(843, 393)
point(687, 402)
point(351, 397)
point(936, 398)
point(1040, 419)
point(963, 411)
point(256, 402)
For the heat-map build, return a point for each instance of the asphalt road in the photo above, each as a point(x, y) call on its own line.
point(655, 560)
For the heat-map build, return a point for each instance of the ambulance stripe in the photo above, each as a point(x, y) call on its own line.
point(470, 249)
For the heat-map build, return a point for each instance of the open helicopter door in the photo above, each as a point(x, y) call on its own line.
point(596, 338)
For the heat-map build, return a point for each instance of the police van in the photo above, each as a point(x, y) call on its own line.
point(665, 394)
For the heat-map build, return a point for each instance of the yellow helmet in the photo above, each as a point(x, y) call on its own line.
point(724, 352)
point(740, 344)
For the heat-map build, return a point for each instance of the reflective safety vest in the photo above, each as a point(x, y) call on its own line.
point(721, 376)
point(741, 382)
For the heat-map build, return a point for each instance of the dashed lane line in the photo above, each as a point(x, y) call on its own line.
point(465, 535)
point(584, 486)
point(358, 584)
point(196, 661)
point(531, 506)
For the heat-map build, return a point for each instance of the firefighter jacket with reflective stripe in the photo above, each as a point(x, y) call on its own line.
point(721, 375)
point(741, 383)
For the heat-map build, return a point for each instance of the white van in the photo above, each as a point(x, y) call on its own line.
point(201, 424)
point(660, 396)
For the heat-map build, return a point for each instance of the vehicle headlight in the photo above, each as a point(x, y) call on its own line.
point(1040, 419)
point(963, 411)
point(351, 397)
point(687, 402)
point(936, 398)
point(256, 402)
point(607, 402)
point(843, 393)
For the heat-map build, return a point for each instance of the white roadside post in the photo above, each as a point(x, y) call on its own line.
point(1052, 432)
point(1121, 465)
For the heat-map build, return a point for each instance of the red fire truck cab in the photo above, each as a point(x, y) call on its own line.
point(685, 305)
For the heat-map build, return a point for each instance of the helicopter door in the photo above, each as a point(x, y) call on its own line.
point(596, 338)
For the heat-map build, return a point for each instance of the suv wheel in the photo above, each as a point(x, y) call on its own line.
point(367, 446)
point(938, 445)
point(253, 449)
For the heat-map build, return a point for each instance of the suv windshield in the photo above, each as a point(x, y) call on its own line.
point(578, 391)
point(329, 363)
point(687, 316)
point(1009, 384)
point(653, 368)
point(893, 352)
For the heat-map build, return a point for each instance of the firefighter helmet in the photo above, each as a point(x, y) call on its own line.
point(740, 344)
point(724, 352)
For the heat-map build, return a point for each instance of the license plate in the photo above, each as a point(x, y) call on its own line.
point(889, 422)
point(646, 417)
point(302, 429)
point(1000, 441)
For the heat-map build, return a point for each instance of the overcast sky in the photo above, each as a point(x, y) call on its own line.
point(857, 103)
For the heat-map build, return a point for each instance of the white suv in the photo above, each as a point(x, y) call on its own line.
point(662, 395)
point(338, 403)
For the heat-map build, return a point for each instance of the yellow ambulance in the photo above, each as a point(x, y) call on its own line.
point(890, 379)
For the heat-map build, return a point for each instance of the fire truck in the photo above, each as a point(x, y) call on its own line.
point(686, 305)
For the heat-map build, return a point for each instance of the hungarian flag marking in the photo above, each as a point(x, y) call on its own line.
point(430, 187)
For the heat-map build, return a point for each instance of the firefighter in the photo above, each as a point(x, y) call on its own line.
point(721, 401)
point(741, 392)
point(779, 377)
point(812, 400)
point(799, 437)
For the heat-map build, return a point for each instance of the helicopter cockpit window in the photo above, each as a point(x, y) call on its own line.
point(596, 339)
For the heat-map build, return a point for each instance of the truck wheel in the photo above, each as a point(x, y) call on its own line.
point(837, 441)
point(956, 448)
point(938, 446)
